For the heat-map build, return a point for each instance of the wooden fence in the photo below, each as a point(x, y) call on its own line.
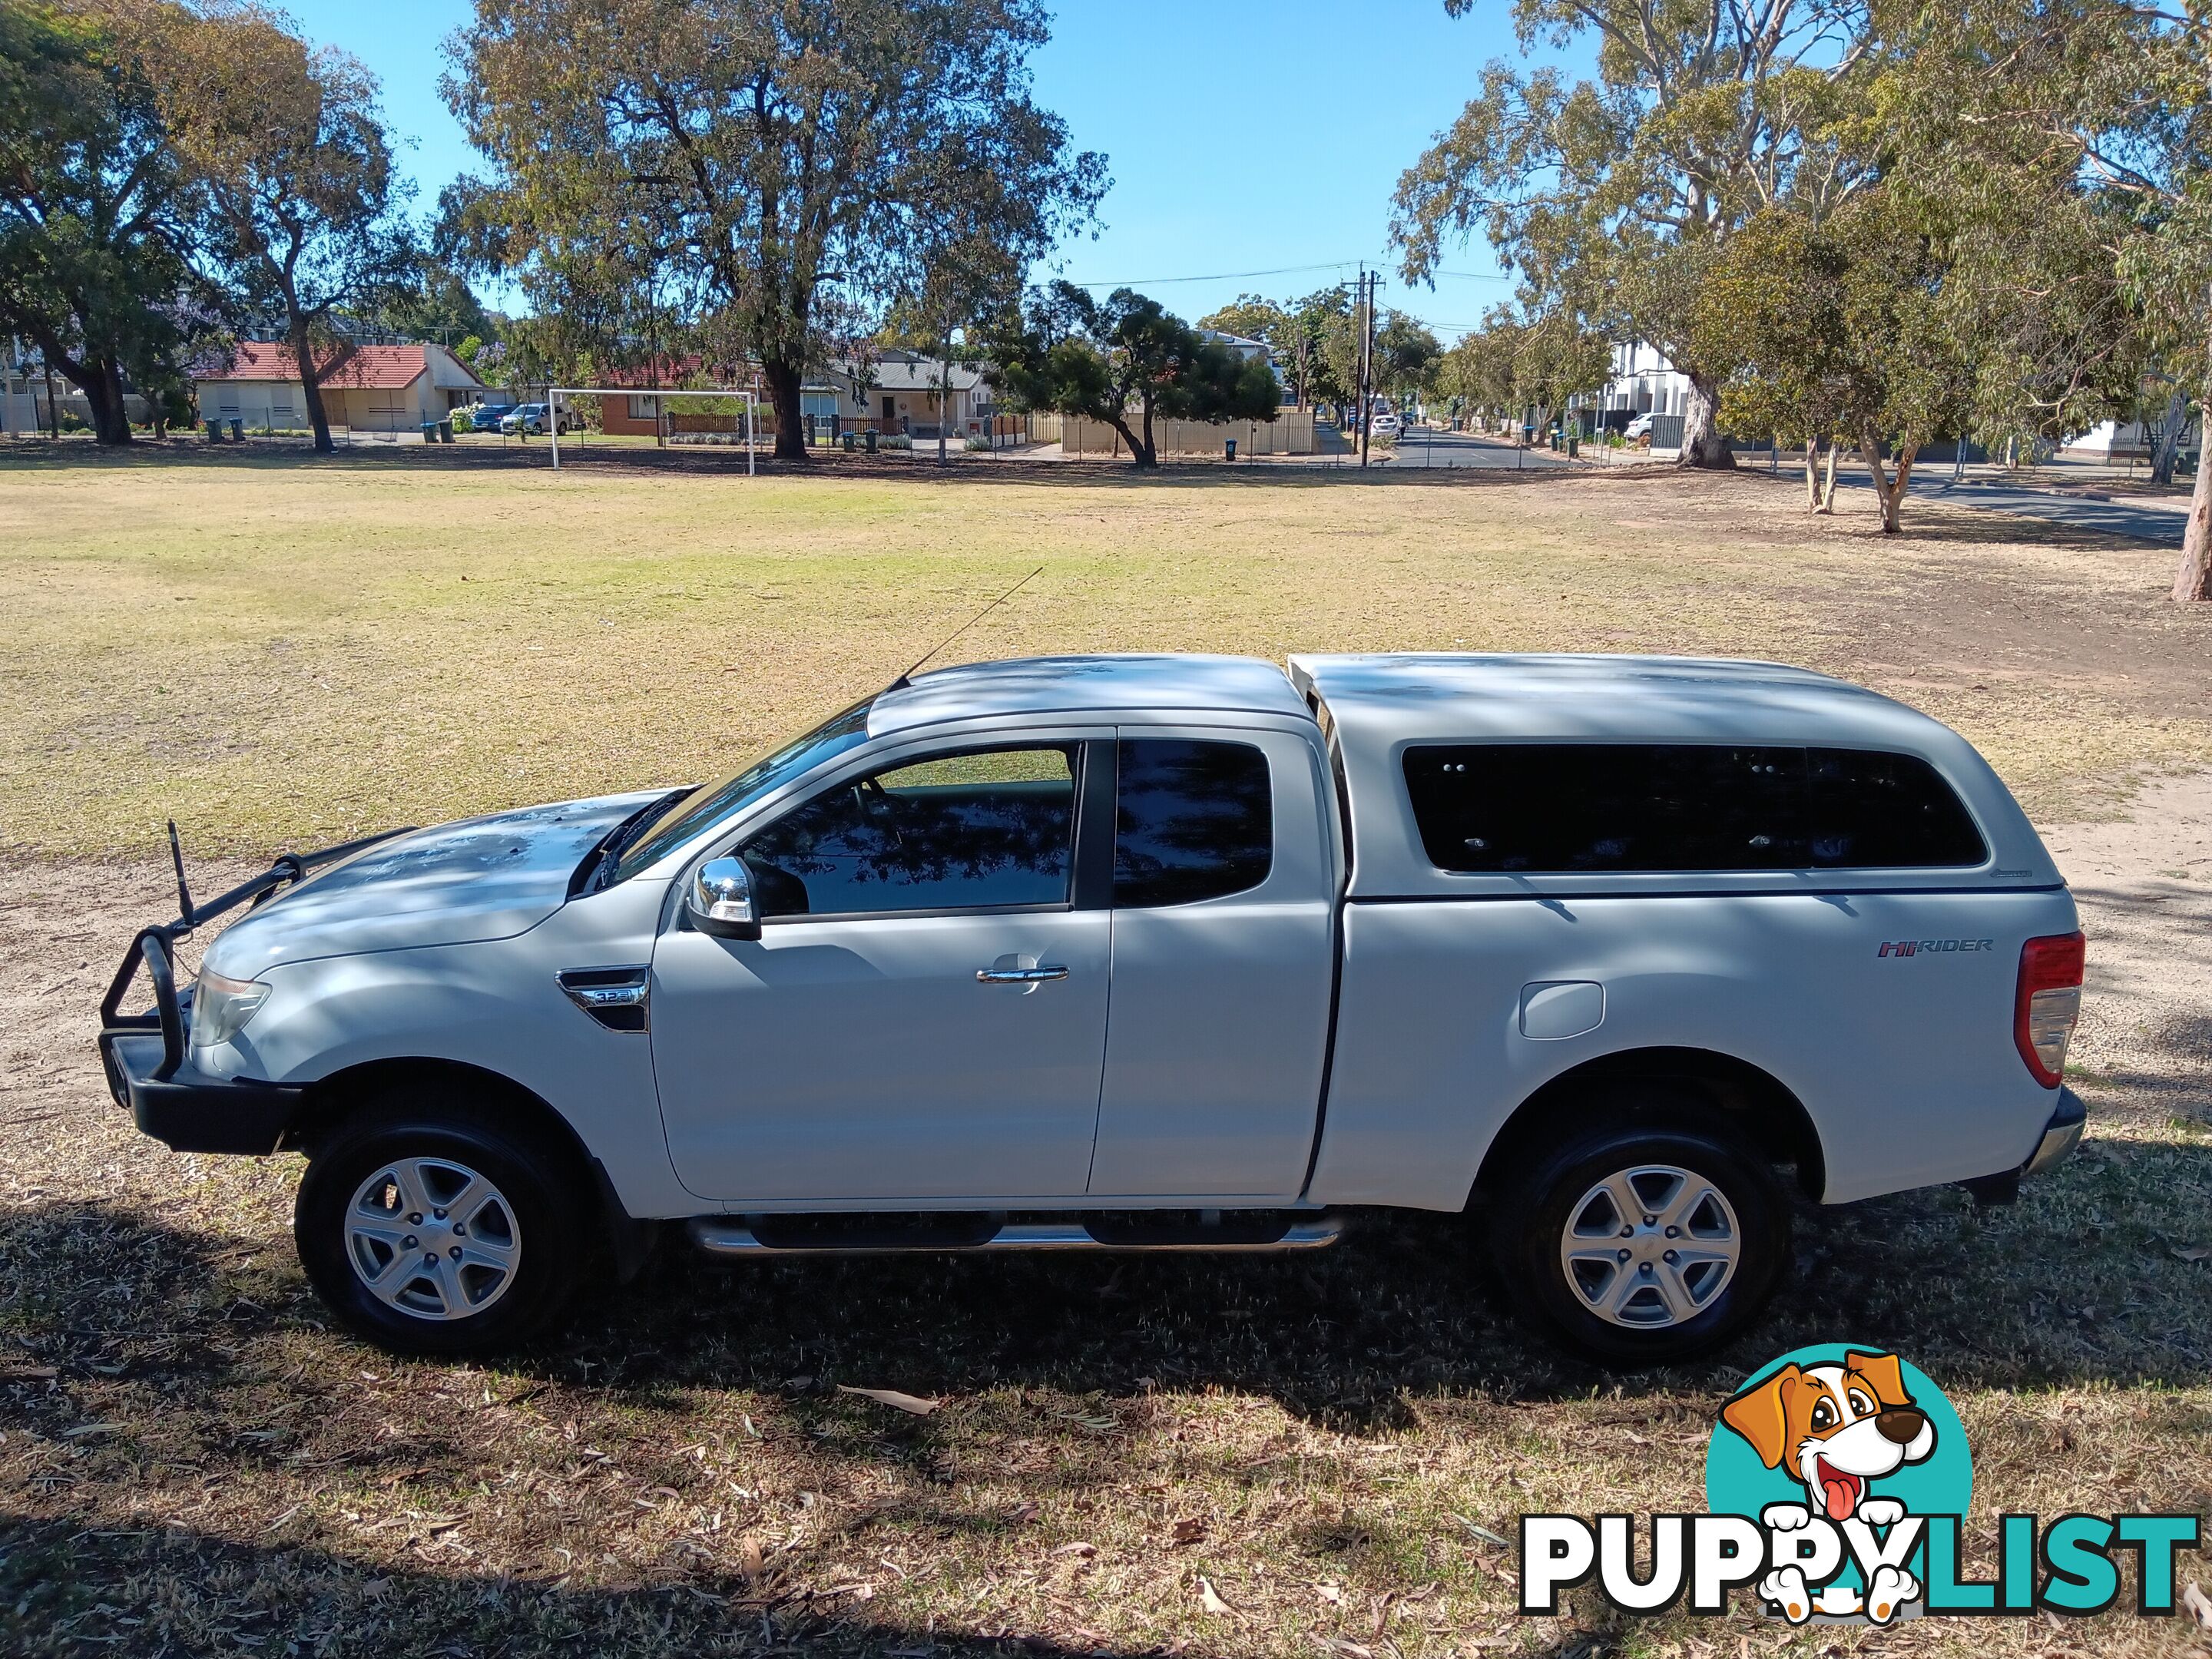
point(1291, 433)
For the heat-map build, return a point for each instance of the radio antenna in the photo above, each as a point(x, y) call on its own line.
point(907, 676)
point(183, 893)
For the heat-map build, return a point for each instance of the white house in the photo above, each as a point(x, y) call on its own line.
point(1643, 383)
point(21, 412)
point(1239, 344)
point(903, 390)
point(2114, 442)
point(386, 393)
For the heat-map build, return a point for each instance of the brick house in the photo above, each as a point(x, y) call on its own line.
point(382, 392)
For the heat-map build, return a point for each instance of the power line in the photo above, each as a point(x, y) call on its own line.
point(1217, 277)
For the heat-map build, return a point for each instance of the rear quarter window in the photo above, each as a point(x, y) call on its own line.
point(1658, 808)
point(1192, 821)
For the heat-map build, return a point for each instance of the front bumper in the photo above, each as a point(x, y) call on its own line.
point(2061, 1135)
point(188, 1111)
point(147, 1056)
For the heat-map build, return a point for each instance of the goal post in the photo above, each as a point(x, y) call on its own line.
point(659, 394)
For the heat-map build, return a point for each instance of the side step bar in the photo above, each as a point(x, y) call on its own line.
point(720, 1236)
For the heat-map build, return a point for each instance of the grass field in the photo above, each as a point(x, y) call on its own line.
point(1239, 1457)
point(276, 652)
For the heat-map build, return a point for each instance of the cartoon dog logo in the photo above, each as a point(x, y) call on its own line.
point(1837, 1429)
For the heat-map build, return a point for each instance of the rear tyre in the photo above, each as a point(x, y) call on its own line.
point(1638, 1242)
point(430, 1225)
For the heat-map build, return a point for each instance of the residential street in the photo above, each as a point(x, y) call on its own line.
point(1423, 448)
point(2078, 502)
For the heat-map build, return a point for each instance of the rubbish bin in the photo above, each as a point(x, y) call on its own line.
point(446, 430)
point(1229, 444)
point(847, 439)
point(1574, 445)
point(237, 430)
point(215, 431)
point(871, 441)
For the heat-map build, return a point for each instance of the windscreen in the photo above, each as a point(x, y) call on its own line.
point(703, 808)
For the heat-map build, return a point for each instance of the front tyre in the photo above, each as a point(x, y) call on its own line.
point(1642, 1243)
point(430, 1228)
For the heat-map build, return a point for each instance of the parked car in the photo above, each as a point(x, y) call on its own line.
point(526, 418)
point(1158, 952)
point(1384, 425)
point(1637, 430)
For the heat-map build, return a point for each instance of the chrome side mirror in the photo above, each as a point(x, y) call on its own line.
point(720, 901)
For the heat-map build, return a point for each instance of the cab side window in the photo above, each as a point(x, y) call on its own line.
point(1192, 821)
point(982, 829)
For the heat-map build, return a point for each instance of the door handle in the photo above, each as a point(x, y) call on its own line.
point(1018, 975)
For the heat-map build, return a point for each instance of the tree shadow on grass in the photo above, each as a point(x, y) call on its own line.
point(70, 1587)
point(146, 1364)
point(2078, 1284)
point(588, 459)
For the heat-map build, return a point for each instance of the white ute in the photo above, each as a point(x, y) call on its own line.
point(1158, 952)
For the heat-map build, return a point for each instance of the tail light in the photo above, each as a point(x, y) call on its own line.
point(2047, 1003)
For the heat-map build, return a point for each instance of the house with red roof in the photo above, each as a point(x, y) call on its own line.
point(371, 393)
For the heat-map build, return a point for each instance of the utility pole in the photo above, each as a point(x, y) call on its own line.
point(1366, 355)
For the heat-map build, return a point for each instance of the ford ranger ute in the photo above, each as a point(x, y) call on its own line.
point(1156, 953)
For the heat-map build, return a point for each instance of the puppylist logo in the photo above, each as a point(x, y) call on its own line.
point(1838, 1481)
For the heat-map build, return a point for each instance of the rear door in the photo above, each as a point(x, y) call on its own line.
point(1224, 913)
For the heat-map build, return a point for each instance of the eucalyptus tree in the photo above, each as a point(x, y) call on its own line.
point(2114, 97)
point(1846, 327)
point(96, 213)
point(1127, 361)
point(1612, 194)
point(758, 166)
point(307, 213)
point(1480, 368)
point(1407, 354)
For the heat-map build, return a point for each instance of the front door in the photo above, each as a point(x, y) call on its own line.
point(924, 1016)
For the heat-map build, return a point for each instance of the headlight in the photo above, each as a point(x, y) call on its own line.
point(222, 1006)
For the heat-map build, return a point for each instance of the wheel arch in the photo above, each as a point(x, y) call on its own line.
point(332, 1102)
point(1767, 1111)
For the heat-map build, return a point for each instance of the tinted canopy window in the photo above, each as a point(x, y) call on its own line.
point(1564, 808)
point(954, 832)
point(1195, 821)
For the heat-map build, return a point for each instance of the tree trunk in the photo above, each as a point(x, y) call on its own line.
point(1829, 488)
point(310, 382)
point(2169, 437)
point(1701, 432)
point(2193, 582)
point(1812, 475)
point(1138, 445)
point(1889, 491)
point(783, 380)
point(111, 412)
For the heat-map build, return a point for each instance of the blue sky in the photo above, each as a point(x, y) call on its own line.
point(1239, 138)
